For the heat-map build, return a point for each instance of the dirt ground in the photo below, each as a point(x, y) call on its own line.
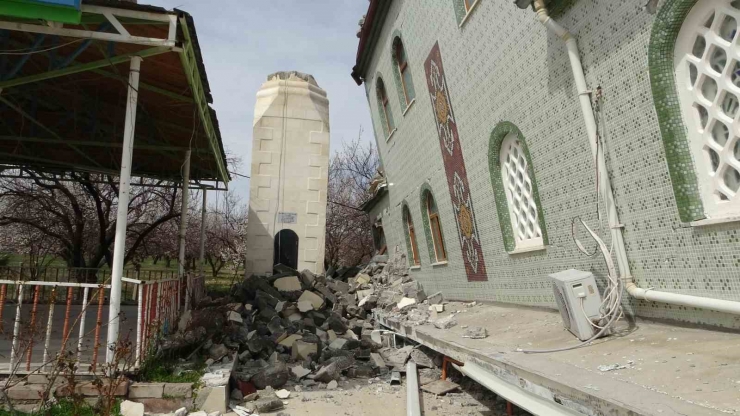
point(356, 397)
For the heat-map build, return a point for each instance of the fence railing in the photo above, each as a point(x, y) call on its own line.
point(149, 309)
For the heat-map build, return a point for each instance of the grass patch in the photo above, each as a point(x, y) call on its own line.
point(170, 371)
point(66, 408)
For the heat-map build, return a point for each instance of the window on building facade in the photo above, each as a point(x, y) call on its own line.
point(708, 85)
point(436, 229)
point(411, 238)
point(523, 212)
point(379, 239)
point(402, 73)
point(385, 109)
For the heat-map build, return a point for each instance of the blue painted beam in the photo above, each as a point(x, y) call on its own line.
point(24, 58)
point(73, 56)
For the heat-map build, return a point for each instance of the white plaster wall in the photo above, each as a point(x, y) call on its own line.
point(290, 165)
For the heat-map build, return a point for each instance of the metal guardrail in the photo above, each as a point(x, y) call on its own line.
point(158, 306)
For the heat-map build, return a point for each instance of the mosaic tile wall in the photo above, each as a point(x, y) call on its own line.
point(502, 65)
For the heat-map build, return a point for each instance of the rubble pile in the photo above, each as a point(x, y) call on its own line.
point(296, 331)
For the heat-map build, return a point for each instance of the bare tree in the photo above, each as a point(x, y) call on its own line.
point(349, 239)
point(79, 215)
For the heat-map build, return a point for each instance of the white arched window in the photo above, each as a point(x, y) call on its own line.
point(519, 194)
point(707, 65)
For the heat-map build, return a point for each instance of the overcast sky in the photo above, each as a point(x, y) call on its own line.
point(245, 40)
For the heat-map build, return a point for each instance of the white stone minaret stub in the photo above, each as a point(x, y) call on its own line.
point(290, 167)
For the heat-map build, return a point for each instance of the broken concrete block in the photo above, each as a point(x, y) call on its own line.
point(305, 306)
point(264, 405)
point(362, 279)
point(332, 385)
point(377, 360)
point(307, 277)
point(282, 394)
point(421, 359)
point(183, 411)
point(338, 344)
point(405, 303)
point(336, 324)
point(129, 408)
point(274, 375)
point(323, 336)
point(275, 326)
point(288, 284)
point(332, 335)
point(328, 373)
point(316, 300)
point(446, 322)
point(217, 351)
point(475, 332)
point(296, 317)
point(301, 350)
point(289, 340)
point(437, 307)
point(235, 317)
point(299, 371)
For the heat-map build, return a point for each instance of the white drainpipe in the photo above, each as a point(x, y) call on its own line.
point(606, 189)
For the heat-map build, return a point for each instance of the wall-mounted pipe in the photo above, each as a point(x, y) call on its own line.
point(607, 194)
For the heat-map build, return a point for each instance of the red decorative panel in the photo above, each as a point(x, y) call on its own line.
point(457, 177)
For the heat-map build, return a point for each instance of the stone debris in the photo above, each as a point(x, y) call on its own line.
point(297, 331)
point(475, 332)
point(446, 322)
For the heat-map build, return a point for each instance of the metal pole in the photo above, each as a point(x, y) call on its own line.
point(119, 244)
point(413, 404)
point(203, 215)
point(184, 224)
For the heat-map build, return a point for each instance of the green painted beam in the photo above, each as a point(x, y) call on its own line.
point(83, 67)
point(147, 87)
point(89, 143)
point(190, 65)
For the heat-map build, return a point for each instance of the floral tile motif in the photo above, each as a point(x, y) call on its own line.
point(457, 177)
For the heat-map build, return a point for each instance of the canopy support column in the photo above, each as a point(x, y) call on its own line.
point(119, 244)
point(184, 225)
point(203, 214)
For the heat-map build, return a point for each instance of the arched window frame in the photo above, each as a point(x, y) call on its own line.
point(498, 136)
point(410, 233)
point(688, 168)
point(433, 229)
point(384, 107)
point(402, 72)
point(676, 141)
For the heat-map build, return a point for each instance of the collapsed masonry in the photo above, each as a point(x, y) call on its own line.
point(298, 330)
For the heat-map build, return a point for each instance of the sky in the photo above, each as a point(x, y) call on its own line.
point(243, 41)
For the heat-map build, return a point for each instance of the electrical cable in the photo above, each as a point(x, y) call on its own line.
point(28, 51)
point(611, 306)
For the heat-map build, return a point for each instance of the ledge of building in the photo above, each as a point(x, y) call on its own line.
point(668, 370)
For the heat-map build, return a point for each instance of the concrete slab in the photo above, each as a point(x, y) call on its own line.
point(668, 370)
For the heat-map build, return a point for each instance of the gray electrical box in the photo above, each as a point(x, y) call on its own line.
point(579, 301)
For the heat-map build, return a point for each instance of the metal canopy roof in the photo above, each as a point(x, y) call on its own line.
point(63, 90)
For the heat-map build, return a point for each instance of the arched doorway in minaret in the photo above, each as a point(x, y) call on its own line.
point(286, 248)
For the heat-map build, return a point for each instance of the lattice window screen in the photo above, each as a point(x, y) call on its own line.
point(707, 64)
point(519, 194)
